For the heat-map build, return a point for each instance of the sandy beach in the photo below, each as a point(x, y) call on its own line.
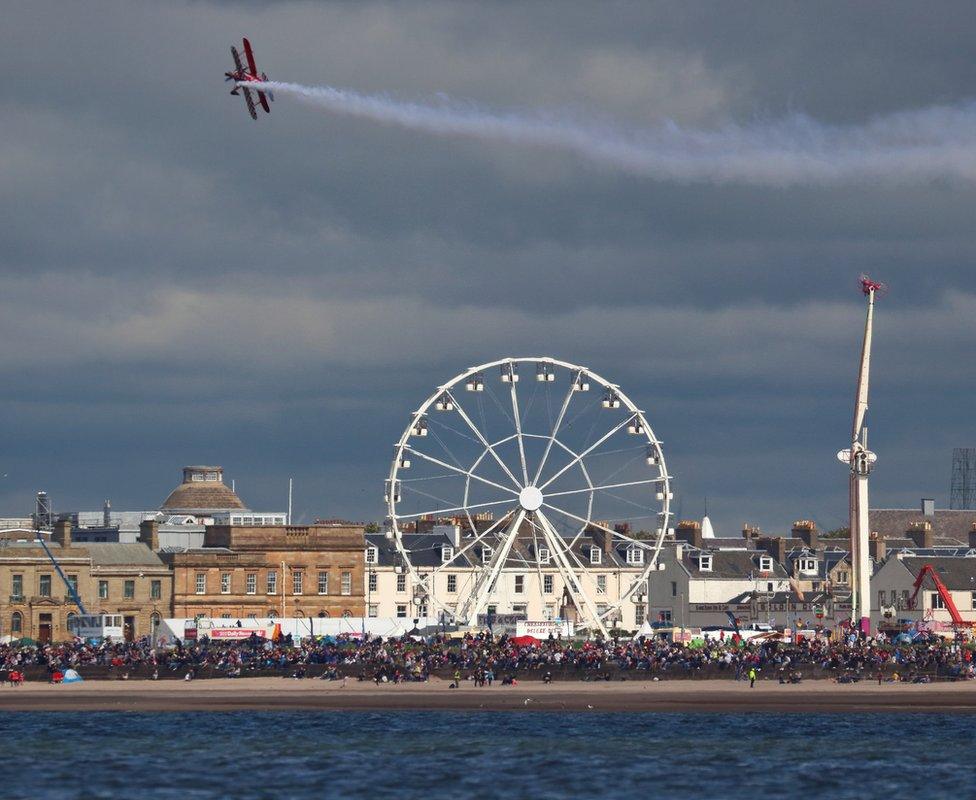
point(281, 694)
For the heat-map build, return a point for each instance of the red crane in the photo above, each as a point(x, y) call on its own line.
point(944, 593)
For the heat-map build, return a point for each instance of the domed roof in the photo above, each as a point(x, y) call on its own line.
point(202, 491)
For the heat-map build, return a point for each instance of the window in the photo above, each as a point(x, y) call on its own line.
point(601, 584)
point(640, 614)
point(973, 600)
point(225, 616)
point(17, 586)
point(371, 555)
point(547, 584)
point(447, 554)
point(225, 583)
point(272, 582)
point(44, 585)
point(705, 563)
point(937, 601)
point(17, 622)
point(596, 555)
point(549, 612)
point(842, 577)
point(154, 620)
point(401, 582)
point(346, 583)
point(201, 583)
point(519, 584)
point(808, 565)
point(882, 596)
point(372, 581)
point(635, 555)
point(765, 564)
point(73, 583)
point(401, 610)
point(601, 609)
point(519, 608)
point(674, 588)
point(452, 583)
point(297, 581)
point(665, 616)
point(486, 555)
point(129, 589)
point(374, 611)
point(103, 590)
point(155, 590)
point(323, 583)
point(769, 587)
point(251, 583)
point(544, 555)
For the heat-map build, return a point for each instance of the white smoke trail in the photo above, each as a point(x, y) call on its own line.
point(935, 142)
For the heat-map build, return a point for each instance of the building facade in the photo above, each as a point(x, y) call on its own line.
point(270, 571)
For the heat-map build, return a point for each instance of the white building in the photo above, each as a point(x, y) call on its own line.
point(529, 586)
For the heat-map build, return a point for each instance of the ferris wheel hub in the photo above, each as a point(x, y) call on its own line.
point(530, 498)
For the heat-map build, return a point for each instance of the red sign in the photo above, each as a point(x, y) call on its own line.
point(189, 633)
point(235, 633)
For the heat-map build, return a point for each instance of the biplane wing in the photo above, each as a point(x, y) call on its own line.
point(250, 102)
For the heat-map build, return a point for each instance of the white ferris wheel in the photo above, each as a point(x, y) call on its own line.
point(542, 467)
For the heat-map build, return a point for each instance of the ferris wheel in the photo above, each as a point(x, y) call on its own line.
point(541, 469)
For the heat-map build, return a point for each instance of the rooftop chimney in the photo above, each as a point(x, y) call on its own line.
point(921, 534)
point(62, 532)
point(877, 548)
point(149, 534)
point(690, 531)
point(806, 530)
point(928, 507)
point(972, 536)
point(775, 546)
point(107, 514)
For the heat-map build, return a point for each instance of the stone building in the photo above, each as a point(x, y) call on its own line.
point(125, 579)
point(270, 571)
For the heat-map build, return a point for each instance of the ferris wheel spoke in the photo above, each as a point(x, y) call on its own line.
point(573, 581)
point(518, 431)
point(555, 428)
point(480, 537)
point(422, 493)
point(486, 581)
point(606, 486)
point(459, 470)
point(481, 437)
point(436, 511)
point(579, 457)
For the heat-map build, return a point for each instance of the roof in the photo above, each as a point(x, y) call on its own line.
point(731, 565)
point(107, 554)
point(826, 560)
point(958, 574)
point(201, 496)
point(949, 526)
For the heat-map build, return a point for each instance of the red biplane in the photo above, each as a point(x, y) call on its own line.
point(243, 75)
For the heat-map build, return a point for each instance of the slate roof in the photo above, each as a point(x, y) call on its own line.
point(949, 526)
point(731, 565)
point(958, 574)
point(110, 554)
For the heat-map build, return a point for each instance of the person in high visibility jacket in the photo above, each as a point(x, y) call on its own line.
point(752, 677)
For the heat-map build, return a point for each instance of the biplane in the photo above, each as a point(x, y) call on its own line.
point(243, 75)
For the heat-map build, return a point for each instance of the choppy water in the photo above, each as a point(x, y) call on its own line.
point(483, 755)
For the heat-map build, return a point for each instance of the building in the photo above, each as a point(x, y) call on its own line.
point(925, 526)
point(529, 586)
point(202, 498)
point(893, 585)
point(126, 579)
point(270, 571)
point(698, 586)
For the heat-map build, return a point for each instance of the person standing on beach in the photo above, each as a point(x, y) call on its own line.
point(752, 677)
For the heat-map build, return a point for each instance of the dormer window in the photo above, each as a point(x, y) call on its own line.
point(808, 565)
point(635, 555)
point(371, 555)
point(705, 562)
point(596, 555)
point(544, 555)
point(486, 553)
point(447, 554)
point(765, 564)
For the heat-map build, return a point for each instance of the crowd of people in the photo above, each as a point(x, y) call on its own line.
point(483, 657)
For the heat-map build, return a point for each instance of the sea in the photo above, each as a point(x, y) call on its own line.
point(448, 754)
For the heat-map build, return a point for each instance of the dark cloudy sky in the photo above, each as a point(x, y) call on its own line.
point(183, 285)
